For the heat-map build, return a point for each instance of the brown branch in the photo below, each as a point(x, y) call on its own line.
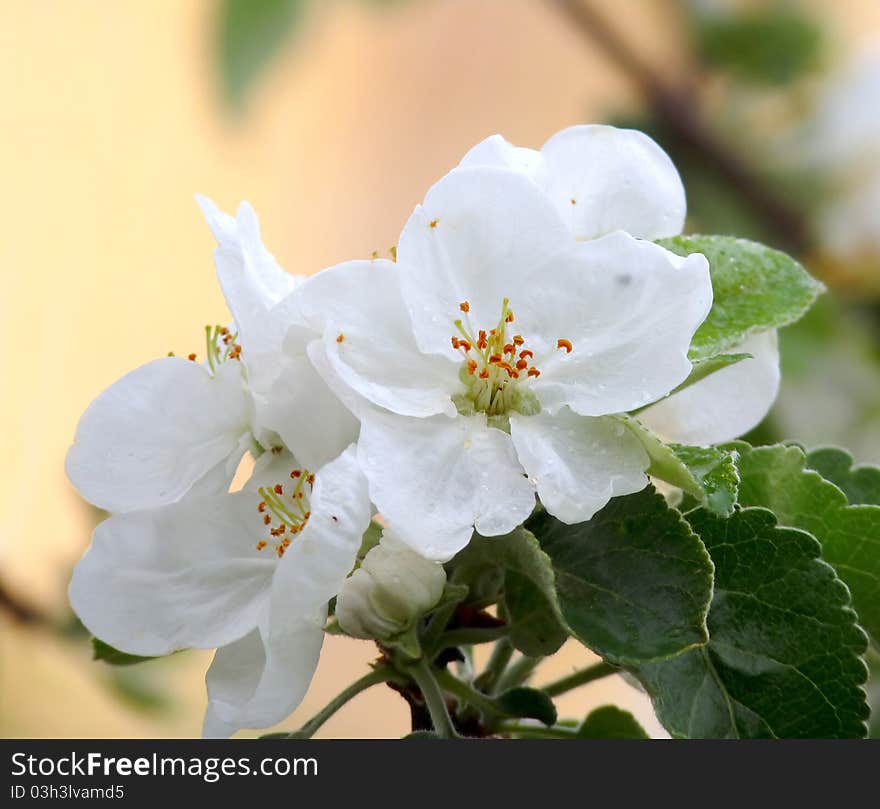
point(20, 611)
point(676, 112)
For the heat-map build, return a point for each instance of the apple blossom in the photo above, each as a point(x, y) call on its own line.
point(602, 179)
point(250, 573)
point(479, 382)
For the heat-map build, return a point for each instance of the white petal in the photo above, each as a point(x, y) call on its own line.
point(578, 463)
point(151, 436)
point(311, 421)
point(496, 151)
point(480, 234)
point(182, 576)
point(629, 309)
point(312, 571)
point(253, 284)
point(437, 479)
point(369, 342)
point(725, 404)
point(604, 179)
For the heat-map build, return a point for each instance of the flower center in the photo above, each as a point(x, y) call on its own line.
point(498, 369)
point(285, 514)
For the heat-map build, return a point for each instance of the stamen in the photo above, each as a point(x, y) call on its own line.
point(433, 223)
point(191, 357)
point(340, 338)
point(566, 344)
point(464, 306)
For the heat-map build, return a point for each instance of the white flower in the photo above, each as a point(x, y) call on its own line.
point(603, 179)
point(250, 573)
point(173, 427)
point(393, 587)
point(496, 320)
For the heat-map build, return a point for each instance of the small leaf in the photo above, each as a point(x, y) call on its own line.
point(776, 477)
point(251, 34)
point(634, 582)
point(705, 367)
point(708, 474)
point(536, 625)
point(860, 484)
point(783, 659)
point(610, 722)
point(756, 289)
point(527, 703)
point(106, 653)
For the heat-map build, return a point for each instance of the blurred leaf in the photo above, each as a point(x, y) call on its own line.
point(769, 44)
point(784, 652)
point(776, 477)
point(106, 653)
point(755, 289)
point(610, 722)
point(251, 34)
point(140, 689)
point(634, 582)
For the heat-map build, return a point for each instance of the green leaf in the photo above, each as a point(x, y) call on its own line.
point(416, 734)
point(610, 722)
point(105, 652)
point(783, 659)
point(756, 289)
point(634, 582)
point(708, 474)
point(860, 484)
point(536, 625)
point(770, 44)
point(776, 477)
point(251, 34)
point(704, 367)
point(527, 703)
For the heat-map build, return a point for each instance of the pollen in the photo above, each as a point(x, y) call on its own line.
point(464, 306)
point(340, 338)
point(433, 223)
point(534, 372)
point(565, 344)
point(286, 513)
point(191, 357)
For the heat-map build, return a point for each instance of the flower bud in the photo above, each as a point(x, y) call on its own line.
point(391, 589)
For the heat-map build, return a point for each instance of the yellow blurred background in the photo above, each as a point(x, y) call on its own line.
point(111, 122)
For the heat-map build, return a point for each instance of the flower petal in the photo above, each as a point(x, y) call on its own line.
point(312, 571)
point(311, 421)
point(603, 179)
point(478, 236)
point(368, 339)
point(629, 309)
point(578, 463)
point(151, 436)
point(725, 404)
point(436, 479)
point(182, 576)
point(600, 178)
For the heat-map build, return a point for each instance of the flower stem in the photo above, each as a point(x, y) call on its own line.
point(579, 678)
point(434, 700)
point(466, 693)
point(380, 674)
point(539, 731)
point(498, 661)
point(518, 672)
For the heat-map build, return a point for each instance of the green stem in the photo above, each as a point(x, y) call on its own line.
point(380, 674)
point(579, 678)
point(539, 731)
point(466, 636)
point(518, 672)
point(434, 700)
point(468, 694)
point(436, 625)
point(498, 661)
